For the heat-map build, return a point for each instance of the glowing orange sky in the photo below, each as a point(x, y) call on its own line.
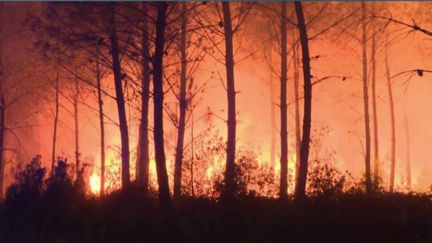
point(336, 104)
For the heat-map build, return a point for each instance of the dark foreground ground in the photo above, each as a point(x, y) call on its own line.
point(130, 218)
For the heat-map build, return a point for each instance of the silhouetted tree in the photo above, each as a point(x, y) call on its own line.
point(142, 167)
point(190, 40)
point(2, 126)
point(2, 114)
point(368, 180)
point(226, 25)
point(283, 105)
point(56, 119)
point(300, 191)
point(158, 96)
point(75, 30)
point(272, 121)
point(392, 118)
point(374, 98)
point(101, 122)
point(183, 104)
point(228, 193)
point(268, 52)
point(297, 107)
point(120, 101)
point(77, 129)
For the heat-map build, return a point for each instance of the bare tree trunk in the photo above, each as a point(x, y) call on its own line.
point(300, 191)
point(102, 125)
point(392, 120)
point(273, 123)
point(2, 111)
point(297, 109)
point(374, 106)
point(115, 54)
point(162, 176)
point(143, 140)
point(366, 102)
point(283, 107)
point(408, 153)
point(192, 152)
point(2, 129)
point(229, 191)
point(56, 118)
point(182, 107)
point(273, 130)
point(76, 119)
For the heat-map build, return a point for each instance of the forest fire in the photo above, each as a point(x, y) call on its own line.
point(95, 183)
point(215, 121)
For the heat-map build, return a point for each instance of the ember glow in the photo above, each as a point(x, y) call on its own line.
point(95, 183)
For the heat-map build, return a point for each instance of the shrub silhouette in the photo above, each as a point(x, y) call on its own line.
point(209, 152)
point(56, 211)
point(28, 185)
point(61, 187)
point(249, 177)
point(325, 180)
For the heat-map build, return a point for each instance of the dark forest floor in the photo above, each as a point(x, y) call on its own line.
point(127, 217)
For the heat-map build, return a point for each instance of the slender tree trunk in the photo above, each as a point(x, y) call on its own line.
point(182, 107)
point(101, 124)
point(143, 144)
point(272, 114)
point(392, 120)
point(273, 124)
point(374, 106)
point(115, 54)
point(408, 153)
point(76, 119)
point(2, 109)
point(2, 128)
point(300, 192)
point(162, 176)
point(273, 129)
point(229, 191)
point(297, 109)
point(366, 102)
point(192, 151)
point(283, 107)
point(56, 118)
